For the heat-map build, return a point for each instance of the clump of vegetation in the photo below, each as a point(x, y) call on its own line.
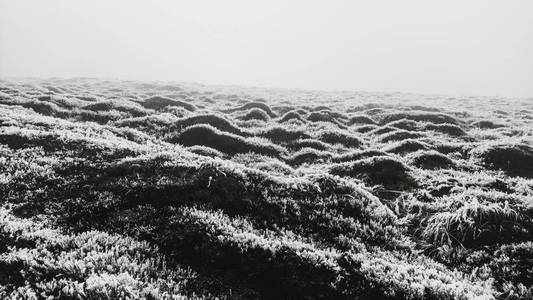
point(356, 155)
point(514, 159)
point(399, 135)
point(124, 106)
point(360, 119)
point(406, 146)
point(280, 134)
point(308, 155)
point(213, 120)
point(431, 160)
point(384, 170)
point(257, 105)
point(160, 102)
point(338, 137)
point(307, 143)
point(448, 129)
point(291, 115)
point(422, 116)
point(485, 124)
point(255, 114)
point(231, 144)
point(324, 117)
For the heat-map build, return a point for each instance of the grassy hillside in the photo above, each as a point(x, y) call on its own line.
point(132, 190)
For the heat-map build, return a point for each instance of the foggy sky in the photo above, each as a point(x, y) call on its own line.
point(475, 47)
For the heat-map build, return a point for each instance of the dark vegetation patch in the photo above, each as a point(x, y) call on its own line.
point(383, 170)
point(213, 120)
point(291, 115)
point(307, 143)
point(231, 144)
point(434, 118)
point(431, 160)
point(280, 134)
point(516, 160)
point(309, 156)
point(406, 146)
point(360, 119)
point(485, 124)
point(398, 135)
point(160, 102)
point(257, 105)
point(255, 114)
point(339, 137)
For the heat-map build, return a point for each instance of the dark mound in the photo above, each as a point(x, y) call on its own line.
point(308, 155)
point(431, 160)
point(406, 146)
point(360, 120)
point(124, 106)
point(160, 102)
point(255, 114)
point(205, 151)
point(357, 155)
point(382, 130)
point(283, 135)
point(324, 117)
point(484, 124)
point(399, 135)
point(337, 137)
point(435, 118)
point(291, 115)
point(216, 121)
point(405, 125)
point(449, 129)
point(258, 105)
point(205, 135)
point(307, 143)
point(514, 159)
point(383, 170)
point(365, 128)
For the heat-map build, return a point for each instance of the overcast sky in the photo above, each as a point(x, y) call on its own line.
point(478, 47)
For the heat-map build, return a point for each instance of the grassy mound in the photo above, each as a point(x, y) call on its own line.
point(307, 143)
point(283, 135)
point(231, 144)
point(356, 155)
point(324, 117)
point(258, 105)
point(406, 146)
point(399, 135)
point(516, 159)
point(308, 155)
point(383, 170)
point(160, 102)
point(448, 129)
point(291, 115)
point(360, 119)
point(128, 107)
point(431, 160)
point(485, 124)
point(213, 120)
point(338, 137)
point(255, 114)
point(422, 116)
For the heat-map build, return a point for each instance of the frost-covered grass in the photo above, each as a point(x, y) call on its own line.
point(114, 189)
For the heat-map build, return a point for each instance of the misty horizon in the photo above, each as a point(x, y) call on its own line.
point(474, 48)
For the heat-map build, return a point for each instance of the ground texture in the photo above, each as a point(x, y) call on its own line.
point(131, 190)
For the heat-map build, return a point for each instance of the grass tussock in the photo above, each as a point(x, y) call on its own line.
point(231, 144)
point(513, 159)
point(160, 102)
